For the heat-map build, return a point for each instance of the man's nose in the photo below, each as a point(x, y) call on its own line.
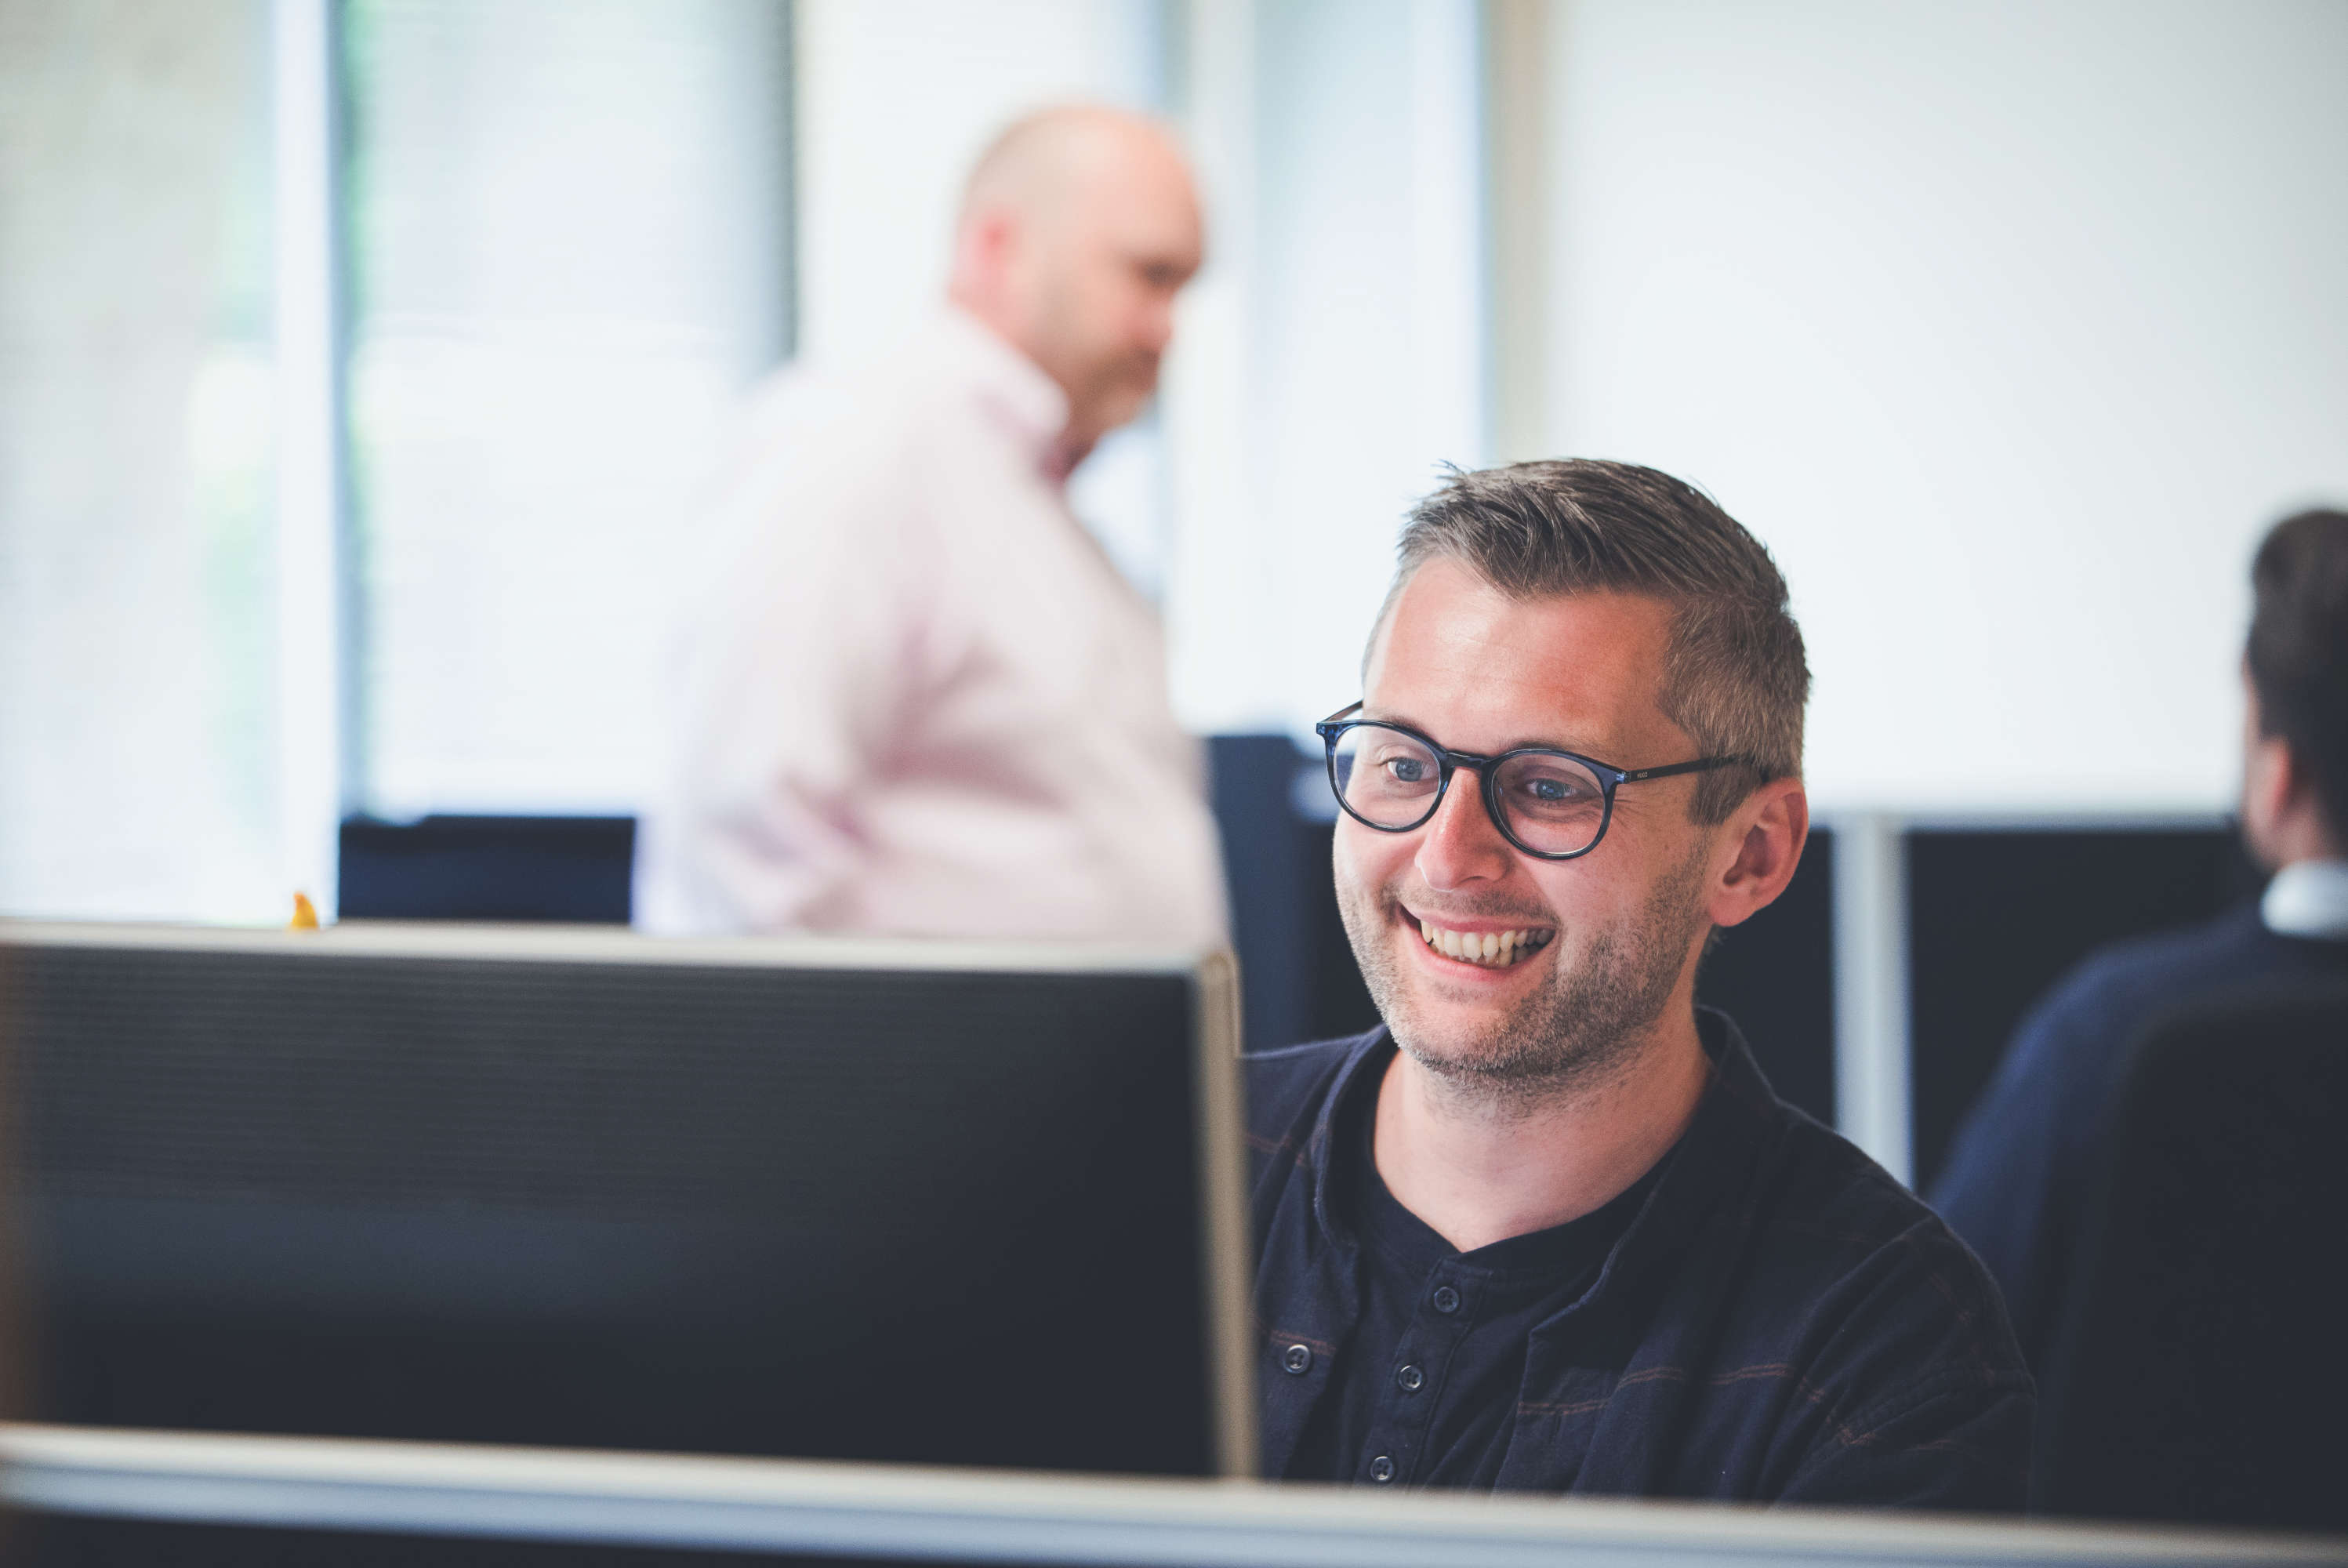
point(1460, 845)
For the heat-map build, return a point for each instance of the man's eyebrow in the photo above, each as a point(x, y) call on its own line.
point(1401, 720)
point(1535, 743)
point(1577, 748)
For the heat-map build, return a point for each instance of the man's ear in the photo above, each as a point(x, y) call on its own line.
point(982, 249)
point(1763, 844)
point(2270, 777)
point(2282, 818)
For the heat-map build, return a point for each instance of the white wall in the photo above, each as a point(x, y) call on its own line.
point(2008, 326)
point(896, 101)
point(566, 237)
point(1331, 357)
point(137, 666)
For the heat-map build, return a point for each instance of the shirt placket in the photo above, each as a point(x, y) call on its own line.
point(1449, 1300)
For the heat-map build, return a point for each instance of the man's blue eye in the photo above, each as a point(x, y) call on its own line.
point(1409, 769)
point(1552, 791)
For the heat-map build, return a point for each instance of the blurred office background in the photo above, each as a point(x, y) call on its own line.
point(361, 361)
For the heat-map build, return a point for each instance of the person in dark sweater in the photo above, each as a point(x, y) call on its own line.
point(1548, 1228)
point(2019, 1174)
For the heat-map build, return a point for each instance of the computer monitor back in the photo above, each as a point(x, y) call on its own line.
point(839, 1200)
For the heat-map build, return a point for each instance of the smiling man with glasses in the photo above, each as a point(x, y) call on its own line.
point(1547, 1228)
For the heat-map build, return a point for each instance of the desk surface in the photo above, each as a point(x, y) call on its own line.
point(971, 1516)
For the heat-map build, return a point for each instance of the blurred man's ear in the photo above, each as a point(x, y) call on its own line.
point(985, 239)
point(2266, 787)
point(2282, 818)
point(985, 249)
point(2268, 775)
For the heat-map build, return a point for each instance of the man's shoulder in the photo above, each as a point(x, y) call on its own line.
point(2142, 973)
point(1791, 1173)
point(1287, 1087)
point(1911, 1387)
point(1871, 1273)
point(1831, 1199)
point(1845, 1345)
point(830, 420)
point(2075, 1033)
point(1877, 1250)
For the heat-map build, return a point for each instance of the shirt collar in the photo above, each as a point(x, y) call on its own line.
point(1737, 1120)
point(2309, 898)
point(1013, 389)
point(1734, 1117)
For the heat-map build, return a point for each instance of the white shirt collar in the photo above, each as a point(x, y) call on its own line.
point(2309, 898)
point(1012, 386)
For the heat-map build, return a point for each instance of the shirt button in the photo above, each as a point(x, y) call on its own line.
point(1297, 1358)
point(1381, 1469)
point(1446, 1299)
point(1410, 1377)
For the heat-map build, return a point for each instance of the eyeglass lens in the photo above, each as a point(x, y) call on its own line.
point(1550, 803)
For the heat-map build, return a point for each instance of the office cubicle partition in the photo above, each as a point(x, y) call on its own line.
point(1879, 992)
point(116, 1497)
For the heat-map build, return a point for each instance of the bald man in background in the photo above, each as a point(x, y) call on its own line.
point(916, 698)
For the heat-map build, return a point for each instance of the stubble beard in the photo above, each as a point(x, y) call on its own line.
point(1107, 387)
point(1582, 1028)
point(1121, 388)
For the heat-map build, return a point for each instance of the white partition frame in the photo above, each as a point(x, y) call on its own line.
point(1874, 1107)
point(974, 1516)
point(315, 716)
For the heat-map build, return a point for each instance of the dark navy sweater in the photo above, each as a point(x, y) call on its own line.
point(2017, 1180)
point(1779, 1321)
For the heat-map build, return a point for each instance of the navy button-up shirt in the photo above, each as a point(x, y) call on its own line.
point(1427, 1390)
point(1778, 1320)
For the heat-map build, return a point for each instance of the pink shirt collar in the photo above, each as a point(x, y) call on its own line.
point(1027, 403)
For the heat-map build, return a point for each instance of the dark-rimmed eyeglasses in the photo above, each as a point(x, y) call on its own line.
point(1553, 805)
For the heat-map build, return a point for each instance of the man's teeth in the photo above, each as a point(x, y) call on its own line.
point(1493, 949)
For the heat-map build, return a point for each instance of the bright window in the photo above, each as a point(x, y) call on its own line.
point(136, 647)
point(568, 233)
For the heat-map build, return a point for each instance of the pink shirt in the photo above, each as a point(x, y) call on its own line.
point(914, 697)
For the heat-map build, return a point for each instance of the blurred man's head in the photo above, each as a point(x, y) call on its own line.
point(1597, 609)
point(1078, 228)
point(2295, 769)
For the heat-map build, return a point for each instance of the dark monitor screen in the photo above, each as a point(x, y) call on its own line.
point(839, 1200)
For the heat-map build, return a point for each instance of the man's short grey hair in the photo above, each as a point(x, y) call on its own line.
point(1734, 676)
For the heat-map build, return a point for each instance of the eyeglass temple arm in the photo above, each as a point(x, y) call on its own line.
point(1701, 764)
